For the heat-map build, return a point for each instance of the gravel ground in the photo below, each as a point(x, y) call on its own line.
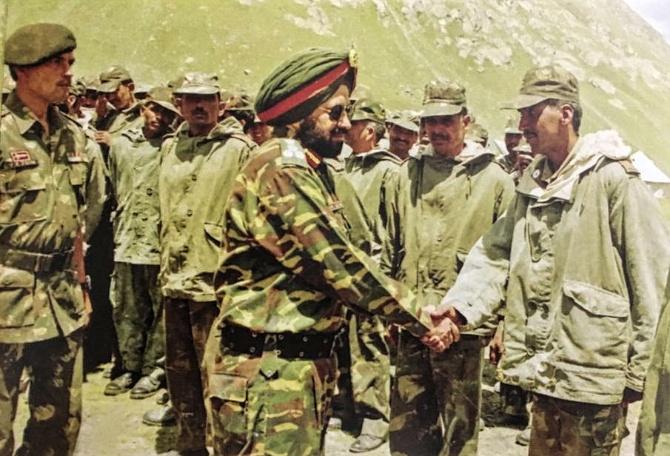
point(113, 426)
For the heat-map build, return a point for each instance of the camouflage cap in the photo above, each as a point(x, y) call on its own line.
point(523, 147)
point(112, 78)
point(512, 124)
point(197, 83)
point(142, 88)
point(161, 96)
point(367, 109)
point(443, 98)
point(78, 87)
point(543, 83)
point(33, 44)
point(300, 84)
point(404, 119)
point(477, 133)
point(240, 101)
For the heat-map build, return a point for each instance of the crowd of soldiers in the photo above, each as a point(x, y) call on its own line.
point(303, 260)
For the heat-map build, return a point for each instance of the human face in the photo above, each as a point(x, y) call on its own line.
point(545, 128)
point(360, 137)
point(260, 132)
point(157, 120)
point(90, 99)
point(511, 141)
point(48, 82)
point(401, 140)
point(324, 130)
point(201, 112)
point(122, 98)
point(446, 133)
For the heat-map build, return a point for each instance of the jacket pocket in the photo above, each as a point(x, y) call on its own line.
point(23, 196)
point(594, 329)
point(16, 298)
point(228, 402)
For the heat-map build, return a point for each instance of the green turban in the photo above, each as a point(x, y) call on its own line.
point(299, 85)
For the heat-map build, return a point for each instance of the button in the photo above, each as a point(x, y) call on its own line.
point(150, 191)
point(189, 212)
point(194, 177)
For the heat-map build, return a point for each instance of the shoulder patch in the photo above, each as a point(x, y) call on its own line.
point(292, 153)
point(628, 166)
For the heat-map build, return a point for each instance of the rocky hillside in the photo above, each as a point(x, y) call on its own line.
point(487, 44)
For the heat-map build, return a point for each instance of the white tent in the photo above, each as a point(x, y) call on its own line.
point(658, 181)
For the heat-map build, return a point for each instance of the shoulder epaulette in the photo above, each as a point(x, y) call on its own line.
point(292, 153)
point(628, 166)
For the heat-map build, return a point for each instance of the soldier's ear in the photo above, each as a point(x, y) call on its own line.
point(567, 113)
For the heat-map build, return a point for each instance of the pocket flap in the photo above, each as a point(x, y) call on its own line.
point(15, 278)
point(228, 387)
point(596, 300)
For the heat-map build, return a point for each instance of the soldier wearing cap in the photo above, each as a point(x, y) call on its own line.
point(448, 198)
point(51, 192)
point(581, 259)
point(134, 159)
point(512, 138)
point(117, 89)
point(199, 164)
point(286, 267)
point(403, 130)
point(477, 133)
point(365, 183)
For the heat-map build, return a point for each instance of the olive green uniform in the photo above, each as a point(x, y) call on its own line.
point(50, 187)
point(196, 176)
point(581, 260)
point(286, 268)
point(446, 205)
point(371, 179)
point(135, 295)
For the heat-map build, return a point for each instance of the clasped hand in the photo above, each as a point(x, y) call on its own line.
point(445, 332)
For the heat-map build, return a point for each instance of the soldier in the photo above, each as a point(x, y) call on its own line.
point(286, 266)
point(200, 162)
point(259, 131)
point(51, 191)
point(134, 160)
point(449, 197)
point(117, 87)
point(512, 138)
point(477, 133)
point(403, 129)
point(371, 174)
point(581, 260)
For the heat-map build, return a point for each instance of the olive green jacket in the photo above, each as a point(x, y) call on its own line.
point(446, 205)
point(372, 180)
point(287, 264)
point(582, 266)
point(196, 175)
point(50, 188)
point(133, 166)
point(116, 122)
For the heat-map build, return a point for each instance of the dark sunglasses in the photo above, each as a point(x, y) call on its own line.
point(336, 112)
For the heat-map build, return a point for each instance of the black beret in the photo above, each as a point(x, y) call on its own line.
point(33, 44)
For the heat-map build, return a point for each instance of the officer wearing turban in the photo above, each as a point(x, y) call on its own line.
point(286, 267)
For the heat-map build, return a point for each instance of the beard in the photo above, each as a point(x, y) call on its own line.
point(318, 141)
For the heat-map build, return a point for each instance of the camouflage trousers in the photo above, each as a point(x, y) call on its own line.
point(436, 398)
point(514, 400)
point(561, 427)
point(187, 325)
point(365, 373)
point(138, 316)
point(268, 405)
point(55, 371)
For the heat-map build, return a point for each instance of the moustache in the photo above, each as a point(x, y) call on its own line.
point(198, 111)
point(439, 136)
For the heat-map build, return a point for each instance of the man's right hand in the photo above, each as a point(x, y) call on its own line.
point(442, 335)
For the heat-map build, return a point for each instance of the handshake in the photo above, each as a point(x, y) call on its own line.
point(445, 332)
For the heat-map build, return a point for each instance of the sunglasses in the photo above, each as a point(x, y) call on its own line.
point(336, 112)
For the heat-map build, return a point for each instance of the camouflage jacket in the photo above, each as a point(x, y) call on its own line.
point(372, 180)
point(133, 165)
point(287, 264)
point(196, 175)
point(582, 267)
point(50, 188)
point(446, 205)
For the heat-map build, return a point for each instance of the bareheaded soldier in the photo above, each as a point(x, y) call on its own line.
point(134, 159)
point(200, 162)
point(51, 191)
point(581, 260)
point(449, 197)
point(287, 266)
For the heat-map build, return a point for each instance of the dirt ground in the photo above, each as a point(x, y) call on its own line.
point(113, 426)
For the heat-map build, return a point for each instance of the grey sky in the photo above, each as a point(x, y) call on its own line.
point(656, 12)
